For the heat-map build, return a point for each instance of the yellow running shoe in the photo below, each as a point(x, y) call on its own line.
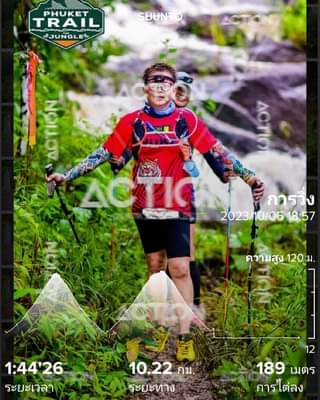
point(133, 349)
point(160, 336)
point(185, 350)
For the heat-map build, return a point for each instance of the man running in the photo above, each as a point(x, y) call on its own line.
point(181, 97)
point(162, 188)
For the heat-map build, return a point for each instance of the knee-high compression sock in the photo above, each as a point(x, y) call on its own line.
point(195, 276)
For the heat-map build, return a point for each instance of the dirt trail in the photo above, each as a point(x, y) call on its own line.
point(190, 380)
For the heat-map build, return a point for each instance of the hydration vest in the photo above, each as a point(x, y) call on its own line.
point(160, 181)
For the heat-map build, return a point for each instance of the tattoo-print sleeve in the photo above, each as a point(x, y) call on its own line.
point(222, 154)
point(91, 162)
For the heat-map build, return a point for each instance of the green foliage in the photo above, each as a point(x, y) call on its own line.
point(281, 314)
point(210, 106)
point(218, 34)
point(212, 29)
point(102, 276)
point(199, 28)
point(236, 38)
point(78, 67)
point(294, 23)
point(168, 54)
point(91, 366)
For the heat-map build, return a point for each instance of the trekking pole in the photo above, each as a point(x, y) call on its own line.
point(227, 259)
point(254, 228)
point(51, 188)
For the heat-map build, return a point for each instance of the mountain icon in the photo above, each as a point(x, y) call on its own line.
point(71, 4)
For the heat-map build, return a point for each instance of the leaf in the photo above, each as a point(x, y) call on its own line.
point(18, 294)
point(148, 341)
point(244, 383)
point(266, 348)
point(240, 262)
point(46, 328)
point(121, 348)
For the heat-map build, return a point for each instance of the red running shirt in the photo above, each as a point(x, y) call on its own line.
point(158, 175)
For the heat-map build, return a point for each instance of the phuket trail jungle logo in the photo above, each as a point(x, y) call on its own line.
point(66, 23)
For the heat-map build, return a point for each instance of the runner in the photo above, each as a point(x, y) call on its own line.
point(162, 189)
point(181, 97)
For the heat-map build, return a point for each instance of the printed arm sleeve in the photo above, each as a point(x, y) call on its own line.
point(115, 144)
point(91, 162)
point(221, 153)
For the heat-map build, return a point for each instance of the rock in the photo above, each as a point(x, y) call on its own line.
point(246, 102)
point(199, 26)
point(271, 51)
point(281, 91)
point(233, 137)
point(241, 140)
point(231, 61)
point(298, 93)
point(127, 64)
point(210, 61)
point(204, 63)
point(222, 60)
point(231, 112)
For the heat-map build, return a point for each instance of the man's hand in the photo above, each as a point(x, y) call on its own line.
point(119, 161)
point(185, 150)
point(57, 178)
point(257, 188)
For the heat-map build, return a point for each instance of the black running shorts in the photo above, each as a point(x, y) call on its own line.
point(171, 235)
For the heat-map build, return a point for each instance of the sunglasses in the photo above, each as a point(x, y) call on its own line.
point(186, 79)
point(159, 79)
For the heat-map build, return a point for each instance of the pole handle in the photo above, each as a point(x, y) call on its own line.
point(48, 169)
point(256, 204)
point(51, 186)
